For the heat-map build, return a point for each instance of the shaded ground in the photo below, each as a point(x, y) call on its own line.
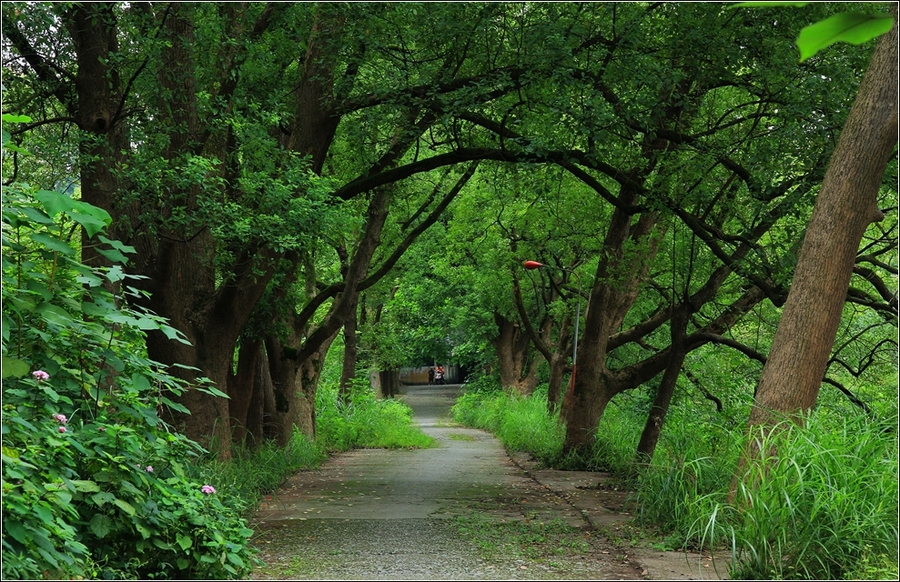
point(463, 510)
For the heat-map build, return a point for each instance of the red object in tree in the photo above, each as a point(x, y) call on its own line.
point(531, 265)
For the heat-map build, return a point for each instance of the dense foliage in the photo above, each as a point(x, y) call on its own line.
point(94, 483)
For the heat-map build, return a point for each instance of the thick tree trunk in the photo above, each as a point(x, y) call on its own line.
point(99, 93)
point(615, 291)
point(390, 383)
point(294, 384)
point(846, 205)
point(515, 360)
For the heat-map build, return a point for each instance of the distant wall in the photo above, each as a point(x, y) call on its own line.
point(420, 375)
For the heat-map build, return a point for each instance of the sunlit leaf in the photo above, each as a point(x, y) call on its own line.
point(851, 27)
point(54, 202)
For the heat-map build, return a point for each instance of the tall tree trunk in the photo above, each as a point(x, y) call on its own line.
point(846, 205)
point(660, 407)
point(611, 297)
point(390, 383)
point(348, 369)
point(515, 360)
point(99, 94)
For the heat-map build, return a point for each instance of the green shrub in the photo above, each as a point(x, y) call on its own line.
point(94, 483)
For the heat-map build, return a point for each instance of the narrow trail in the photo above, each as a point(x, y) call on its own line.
point(396, 514)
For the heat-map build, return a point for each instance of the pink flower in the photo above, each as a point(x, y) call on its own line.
point(208, 489)
point(149, 469)
point(60, 418)
point(40, 375)
point(62, 429)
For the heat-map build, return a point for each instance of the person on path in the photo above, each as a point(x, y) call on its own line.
point(439, 375)
point(431, 375)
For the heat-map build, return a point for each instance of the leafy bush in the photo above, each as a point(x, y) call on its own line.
point(94, 483)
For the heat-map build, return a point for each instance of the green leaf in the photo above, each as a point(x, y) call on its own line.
point(54, 202)
point(113, 255)
point(101, 525)
point(16, 530)
point(91, 224)
point(52, 243)
point(54, 314)
point(10, 118)
point(140, 382)
point(182, 563)
point(124, 506)
point(103, 497)
point(147, 324)
point(85, 486)
point(13, 368)
point(184, 541)
point(115, 273)
point(119, 245)
point(851, 27)
point(36, 215)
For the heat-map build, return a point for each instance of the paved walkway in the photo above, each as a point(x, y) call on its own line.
point(380, 514)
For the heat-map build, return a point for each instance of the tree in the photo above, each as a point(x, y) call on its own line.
point(847, 204)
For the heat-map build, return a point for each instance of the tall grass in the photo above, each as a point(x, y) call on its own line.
point(253, 472)
point(365, 421)
point(520, 422)
point(819, 503)
point(821, 499)
point(823, 505)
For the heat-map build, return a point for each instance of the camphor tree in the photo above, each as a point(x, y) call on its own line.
point(271, 162)
point(847, 204)
point(243, 149)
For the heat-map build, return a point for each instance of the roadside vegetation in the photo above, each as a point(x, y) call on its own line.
point(824, 506)
point(95, 483)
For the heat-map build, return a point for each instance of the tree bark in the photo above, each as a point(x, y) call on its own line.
point(846, 205)
point(660, 407)
point(348, 369)
point(515, 361)
point(611, 298)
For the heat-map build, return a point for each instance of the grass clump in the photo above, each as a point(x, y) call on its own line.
point(819, 503)
point(365, 422)
point(520, 422)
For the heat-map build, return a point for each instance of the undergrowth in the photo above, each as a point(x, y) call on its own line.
point(365, 421)
point(822, 503)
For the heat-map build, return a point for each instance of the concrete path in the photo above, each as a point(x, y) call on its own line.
point(381, 514)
